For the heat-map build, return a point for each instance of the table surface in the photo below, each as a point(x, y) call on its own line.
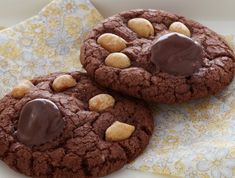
point(11, 14)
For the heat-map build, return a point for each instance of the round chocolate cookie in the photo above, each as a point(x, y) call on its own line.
point(65, 126)
point(157, 56)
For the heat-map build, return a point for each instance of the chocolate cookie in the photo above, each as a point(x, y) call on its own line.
point(65, 126)
point(157, 56)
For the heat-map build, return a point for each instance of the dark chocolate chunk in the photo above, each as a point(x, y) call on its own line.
point(177, 54)
point(40, 121)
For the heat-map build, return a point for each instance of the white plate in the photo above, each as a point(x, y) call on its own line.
point(218, 15)
point(6, 172)
point(15, 11)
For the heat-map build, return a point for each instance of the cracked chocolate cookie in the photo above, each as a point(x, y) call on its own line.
point(157, 56)
point(66, 126)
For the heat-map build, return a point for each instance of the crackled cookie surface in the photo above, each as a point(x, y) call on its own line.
point(64, 125)
point(157, 56)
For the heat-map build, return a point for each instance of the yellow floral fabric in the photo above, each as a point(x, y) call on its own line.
point(191, 140)
point(46, 43)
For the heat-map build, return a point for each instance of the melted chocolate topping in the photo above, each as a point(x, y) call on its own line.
point(40, 121)
point(177, 54)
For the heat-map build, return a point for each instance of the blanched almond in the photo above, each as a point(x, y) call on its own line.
point(141, 26)
point(112, 42)
point(20, 90)
point(101, 102)
point(118, 60)
point(180, 28)
point(63, 82)
point(119, 131)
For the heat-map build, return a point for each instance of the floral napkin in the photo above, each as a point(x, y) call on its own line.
point(45, 43)
point(191, 140)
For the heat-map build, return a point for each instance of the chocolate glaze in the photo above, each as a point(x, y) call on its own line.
point(177, 54)
point(40, 121)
